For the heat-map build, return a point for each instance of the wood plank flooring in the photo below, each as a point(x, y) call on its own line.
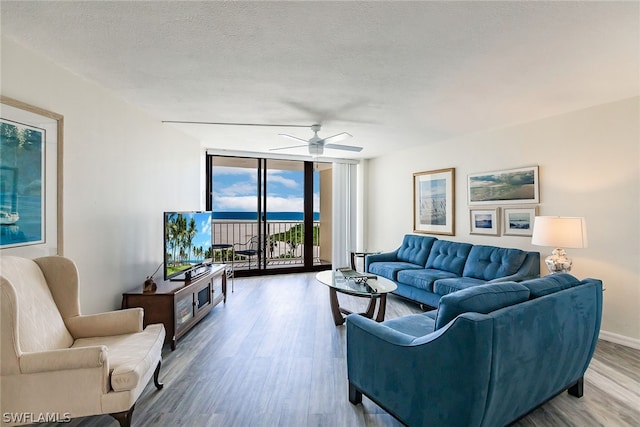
point(271, 356)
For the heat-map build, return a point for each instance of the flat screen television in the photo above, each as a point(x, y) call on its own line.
point(187, 243)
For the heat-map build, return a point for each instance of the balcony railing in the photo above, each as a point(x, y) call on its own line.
point(283, 242)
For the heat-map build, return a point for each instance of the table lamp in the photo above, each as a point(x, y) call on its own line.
point(559, 232)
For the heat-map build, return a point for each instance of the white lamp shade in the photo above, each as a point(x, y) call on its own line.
point(559, 232)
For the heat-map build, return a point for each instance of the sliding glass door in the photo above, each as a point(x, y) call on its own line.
point(268, 213)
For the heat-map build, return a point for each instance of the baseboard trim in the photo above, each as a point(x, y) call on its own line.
point(620, 339)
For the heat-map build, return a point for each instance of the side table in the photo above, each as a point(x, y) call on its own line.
point(362, 255)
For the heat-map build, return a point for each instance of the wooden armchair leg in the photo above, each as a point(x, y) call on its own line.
point(577, 389)
point(355, 396)
point(156, 374)
point(124, 418)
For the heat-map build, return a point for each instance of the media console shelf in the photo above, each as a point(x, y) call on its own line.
point(180, 305)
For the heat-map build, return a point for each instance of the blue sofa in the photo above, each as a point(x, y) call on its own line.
point(425, 268)
point(486, 357)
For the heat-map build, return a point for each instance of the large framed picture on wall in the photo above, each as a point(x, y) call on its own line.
point(434, 202)
point(30, 180)
point(503, 187)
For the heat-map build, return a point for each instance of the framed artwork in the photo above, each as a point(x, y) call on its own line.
point(518, 221)
point(434, 202)
point(503, 187)
point(485, 221)
point(30, 180)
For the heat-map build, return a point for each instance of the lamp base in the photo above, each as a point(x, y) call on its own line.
point(558, 261)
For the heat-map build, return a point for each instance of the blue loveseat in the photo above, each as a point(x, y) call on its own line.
point(425, 268)
point(487, 356)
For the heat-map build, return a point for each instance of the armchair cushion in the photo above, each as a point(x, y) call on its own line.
point(130, 355)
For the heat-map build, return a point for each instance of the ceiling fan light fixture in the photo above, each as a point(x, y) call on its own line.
point(317, 144)
point(316, 149)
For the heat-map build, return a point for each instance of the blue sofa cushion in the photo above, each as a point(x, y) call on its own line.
point(550, 284)
point(480, 299)
point(490, 262)
point(415, 249)
point(432, 314)
point(390, 269)
point(423, 278)
point(446, 286)
point(448, 256)
point(420, 296)
point(416, 325)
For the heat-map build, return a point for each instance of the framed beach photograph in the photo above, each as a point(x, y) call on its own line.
point(503, 187)
point(30, 180)
point(433, 202)
point(518, 221)
point(485, 221)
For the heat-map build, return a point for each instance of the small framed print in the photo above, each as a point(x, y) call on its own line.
point(485, 221)
point(518, 221)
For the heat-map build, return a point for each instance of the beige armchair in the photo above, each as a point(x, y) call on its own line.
point(57, 363)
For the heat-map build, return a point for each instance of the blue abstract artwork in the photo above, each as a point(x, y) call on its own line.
point(22, 169)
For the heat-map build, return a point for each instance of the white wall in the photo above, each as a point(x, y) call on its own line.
point(122, 169)
point(589, 164)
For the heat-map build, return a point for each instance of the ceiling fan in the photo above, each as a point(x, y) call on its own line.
point(317, 145)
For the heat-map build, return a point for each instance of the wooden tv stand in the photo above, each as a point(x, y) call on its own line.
point(180, 305)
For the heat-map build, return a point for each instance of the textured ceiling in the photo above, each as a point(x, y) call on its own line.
point(393, 74)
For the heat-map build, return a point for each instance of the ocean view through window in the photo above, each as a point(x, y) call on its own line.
point(266, 208)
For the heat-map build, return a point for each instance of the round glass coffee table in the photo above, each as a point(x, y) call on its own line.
point(375, 289)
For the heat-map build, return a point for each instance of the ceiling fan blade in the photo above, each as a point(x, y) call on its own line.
point(295, 138)
point(184, 122)
point(343, 147)
point(336, 138)
point(287, 148)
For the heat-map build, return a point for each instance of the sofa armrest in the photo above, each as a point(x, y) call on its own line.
point(441, 376)
point(379, 330)
point(119, 322)
point(383, 257)
point(64, 359)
